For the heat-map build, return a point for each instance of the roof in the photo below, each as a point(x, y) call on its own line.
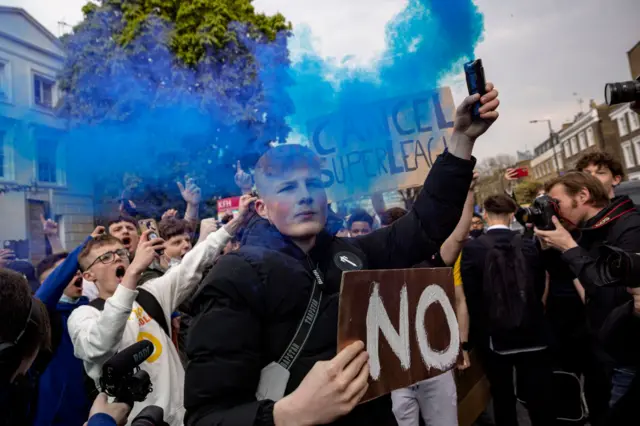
point(33, 21)
point(637, 45)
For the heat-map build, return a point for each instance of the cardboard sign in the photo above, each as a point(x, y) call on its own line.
point(406, 319)
point(384, 146)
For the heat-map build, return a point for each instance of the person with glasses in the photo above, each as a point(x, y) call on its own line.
point(97, 335)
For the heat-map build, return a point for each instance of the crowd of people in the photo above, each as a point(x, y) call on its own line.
point(224, 307)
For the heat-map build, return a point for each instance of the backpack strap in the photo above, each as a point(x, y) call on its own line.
point(148, 302)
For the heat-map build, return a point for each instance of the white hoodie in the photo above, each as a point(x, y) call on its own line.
point(98, 335)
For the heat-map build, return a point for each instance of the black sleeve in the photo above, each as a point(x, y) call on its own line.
point(583, 265)
point(620, 334)
point(420, 233)
point(472, 277)
point(224, 349)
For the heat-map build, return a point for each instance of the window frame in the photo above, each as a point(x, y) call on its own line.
point(567, 149)
point(634, 121)
point(628, 149)
point(623, 127)
point(582, 140)
point(52, 168)
point(591, 141)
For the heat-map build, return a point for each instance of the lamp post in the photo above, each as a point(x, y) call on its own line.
point(552, 137)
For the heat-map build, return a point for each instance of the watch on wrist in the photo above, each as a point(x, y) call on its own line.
point(466, 346)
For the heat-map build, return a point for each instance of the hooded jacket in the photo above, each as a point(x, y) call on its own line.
point(62, 399)
point(252, 301)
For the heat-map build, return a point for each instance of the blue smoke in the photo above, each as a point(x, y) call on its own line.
point(139, 110)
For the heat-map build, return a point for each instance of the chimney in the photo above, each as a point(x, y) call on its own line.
point(565, 125)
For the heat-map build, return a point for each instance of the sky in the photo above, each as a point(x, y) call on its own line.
point(538, 54)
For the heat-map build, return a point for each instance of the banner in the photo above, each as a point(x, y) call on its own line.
point(406, 319)
point(228, 205)
point(383, 146)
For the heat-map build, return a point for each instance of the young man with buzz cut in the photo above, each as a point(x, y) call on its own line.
point(98, 334)
point(252, 302)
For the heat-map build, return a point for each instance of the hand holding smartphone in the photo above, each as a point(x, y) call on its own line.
point(150, 225)
point(476, 83)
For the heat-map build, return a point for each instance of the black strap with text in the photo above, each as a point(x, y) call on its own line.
point(306, 324)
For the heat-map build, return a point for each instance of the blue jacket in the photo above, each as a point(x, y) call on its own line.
point(62, 398)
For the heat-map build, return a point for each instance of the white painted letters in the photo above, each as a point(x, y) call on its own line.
point(433, 358)
point(378, 319)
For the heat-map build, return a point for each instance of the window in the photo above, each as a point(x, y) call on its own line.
point(634, 124)
point(43, 91)
point(590, 138)
point(47, 161)
point(628, 154)
point(2, 156)
point(636, 146)
point(583, 141)
point(622, 126)
point(574, 145)
point(567, 149)
point(3, 82)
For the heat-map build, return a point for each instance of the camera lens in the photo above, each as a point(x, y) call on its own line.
point(618, 93)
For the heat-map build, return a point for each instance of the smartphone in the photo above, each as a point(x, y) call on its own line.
point(521, 172)
point(476, 83)
point(20, 248)
point(150, 225)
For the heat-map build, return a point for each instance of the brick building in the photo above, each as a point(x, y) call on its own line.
point(548, 161)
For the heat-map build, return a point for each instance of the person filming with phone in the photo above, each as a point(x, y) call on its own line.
point(126, 313)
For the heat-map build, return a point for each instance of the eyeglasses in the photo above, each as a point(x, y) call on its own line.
point(110, 257)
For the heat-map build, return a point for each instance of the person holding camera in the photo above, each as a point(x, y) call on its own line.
point(584, 206)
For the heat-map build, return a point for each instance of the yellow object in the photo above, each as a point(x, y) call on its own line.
point(457, 276)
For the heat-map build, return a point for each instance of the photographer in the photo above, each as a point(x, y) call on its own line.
point(584, 206)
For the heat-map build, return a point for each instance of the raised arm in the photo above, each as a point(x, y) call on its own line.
point(191, 194)
point(450, 250)
point(50, 229)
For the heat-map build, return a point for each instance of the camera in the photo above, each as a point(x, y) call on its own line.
point(619, 93)
point(540, 213)
point(122, 377)
point(616, 267)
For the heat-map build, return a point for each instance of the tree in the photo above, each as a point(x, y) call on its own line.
point(189, 85)
point(489, 166)
point(527, 191)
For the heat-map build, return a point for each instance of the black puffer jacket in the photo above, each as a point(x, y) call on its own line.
point(253, 300)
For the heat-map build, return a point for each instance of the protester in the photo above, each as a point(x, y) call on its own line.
point(62, 399)
point(435, 399)
point(99, 334)
point(253, 300)
point(125, 228)
point(584, 205)
point(477, 226)
point(504, 282)
point(24, 331)
point(604, 167)
point(360, 223)
point(391, 215)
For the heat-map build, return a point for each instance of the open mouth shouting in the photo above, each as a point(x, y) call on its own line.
point(126, 241)
point(120, 271)
point(77, 281)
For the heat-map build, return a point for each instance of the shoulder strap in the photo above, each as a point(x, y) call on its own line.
point(306, 324)
point(148, 302)
point(151, 306)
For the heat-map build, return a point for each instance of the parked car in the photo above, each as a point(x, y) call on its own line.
point(632, 189)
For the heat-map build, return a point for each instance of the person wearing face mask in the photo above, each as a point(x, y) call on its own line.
point(477, 226)
point(62, 399)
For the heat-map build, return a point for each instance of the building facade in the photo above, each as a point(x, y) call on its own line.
point(627, 124)
point(34, 176)
point(548, 161)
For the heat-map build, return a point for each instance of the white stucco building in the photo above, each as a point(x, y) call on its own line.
point(34, 176)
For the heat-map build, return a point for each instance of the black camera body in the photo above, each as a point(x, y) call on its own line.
point(150, 416)
point(616, 267)
point(128, 388)
point(539, 213)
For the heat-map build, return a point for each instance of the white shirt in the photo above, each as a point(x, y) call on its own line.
point(98, 335)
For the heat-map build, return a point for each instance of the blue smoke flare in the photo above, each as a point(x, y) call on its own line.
point(139, 110)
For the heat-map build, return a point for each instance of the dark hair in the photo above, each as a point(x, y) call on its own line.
point(574, 182)
point(359, 215)
point(500, 204)
point(119, 219)
point(49, 262)
point(281, 159)
point(15, 304)
point(101, 240)
point(600, 159)
point(478, 215)
point(172, 227)
point(391, 215)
